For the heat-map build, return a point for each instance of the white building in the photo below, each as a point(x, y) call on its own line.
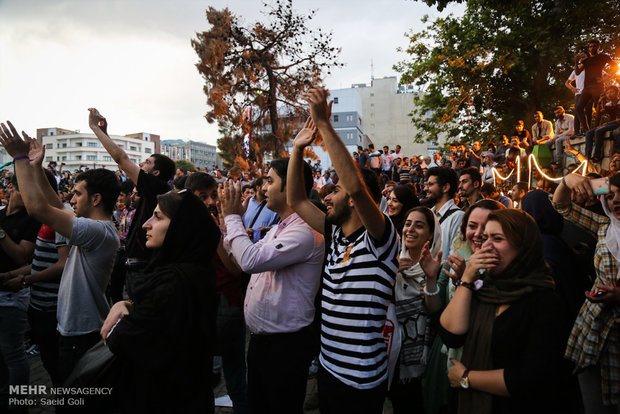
point(386, 108)
point(201, 154)
point(77, 150)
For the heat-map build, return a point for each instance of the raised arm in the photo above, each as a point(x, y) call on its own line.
point(296, 196)
point(36, 156)
point(34, 199)
point(371, 216)
point(99, 125)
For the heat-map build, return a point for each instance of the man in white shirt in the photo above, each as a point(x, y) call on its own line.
point(279, 303)
point(564, 129)
point(441, 186)
point(579, 83)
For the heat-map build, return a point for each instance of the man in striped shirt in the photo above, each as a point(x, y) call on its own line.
point(358, 274)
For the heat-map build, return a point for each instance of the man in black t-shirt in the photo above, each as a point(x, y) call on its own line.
point(593, 83)
point(151, 178)
point(18, 233)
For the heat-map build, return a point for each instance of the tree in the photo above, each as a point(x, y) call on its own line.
point(500, 62)
point(185, 166)
point(254, 76)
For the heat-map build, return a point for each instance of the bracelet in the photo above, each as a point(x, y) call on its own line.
point(429, 293)
point(564, 181)
point(21, 157)
point(471, 286)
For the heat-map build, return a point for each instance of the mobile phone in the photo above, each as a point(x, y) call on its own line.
point(598, 293)
point(600, 185)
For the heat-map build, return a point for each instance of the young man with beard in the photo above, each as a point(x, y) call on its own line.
point(151, 178)
point(82, 305)
point(279, 303)
point(360, 267)
point(469, 187)
point(441, 186)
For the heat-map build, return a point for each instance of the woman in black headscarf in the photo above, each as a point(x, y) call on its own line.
point(511, 324)
point(164, 338)
point(401, 199)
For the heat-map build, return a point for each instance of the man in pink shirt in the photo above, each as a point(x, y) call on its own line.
point(279, 304)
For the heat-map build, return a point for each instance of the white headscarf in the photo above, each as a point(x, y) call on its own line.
point(412, 314)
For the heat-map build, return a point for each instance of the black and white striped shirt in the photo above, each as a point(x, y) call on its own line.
point(358, 280)
point(44, 295)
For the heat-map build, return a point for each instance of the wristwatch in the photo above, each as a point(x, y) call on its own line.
point(464, 382)
point(2, 234)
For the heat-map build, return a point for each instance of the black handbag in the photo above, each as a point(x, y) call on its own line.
point(98, 367)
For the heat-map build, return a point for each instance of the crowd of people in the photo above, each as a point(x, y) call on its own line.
point(479, 280)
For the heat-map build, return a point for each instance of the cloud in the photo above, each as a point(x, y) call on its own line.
point(133, 59)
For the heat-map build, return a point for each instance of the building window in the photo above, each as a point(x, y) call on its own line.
point(49, 146)
point(49, 159)
point(51, 133)
point(64, 145)
point(107, 158)
point(132, 148)
point(64, 158)
point(92, 144)
point(335, 100)
point(335, 118)
point(147, 150)
point(91, 157)
point(78, 157)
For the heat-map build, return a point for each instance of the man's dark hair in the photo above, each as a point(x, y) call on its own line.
point(445, 176)
point(127, 186)
point(473, 173)
point(595, 41)
point(280, 166)
point(104, 182)
point(247, 187)
point(200, 181)
point(258, 183)
point(179, 181)
point(371, 180)
point(371, 146)
point(165, 166)
point(487, 188)
point(514, 151)
point(522, 186)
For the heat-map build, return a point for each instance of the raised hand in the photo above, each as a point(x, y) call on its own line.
point(12, 142)
point(428, 263)
point(319, 108)
point(405, 263)
point(96, 120)
point(230, 199)
point(306, 135)
point(457, 267)
point(37, 151)
point(484, 258)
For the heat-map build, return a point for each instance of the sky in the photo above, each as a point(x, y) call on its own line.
point(132, 59)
